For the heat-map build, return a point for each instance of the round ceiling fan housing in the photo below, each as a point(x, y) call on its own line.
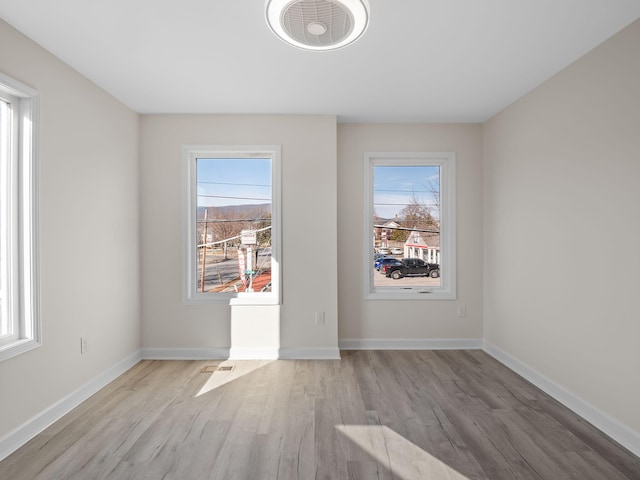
point(318, 24)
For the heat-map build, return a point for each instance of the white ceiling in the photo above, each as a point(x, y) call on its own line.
point(419, 61)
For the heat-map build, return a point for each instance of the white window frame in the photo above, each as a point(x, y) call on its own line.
point(447, 163)
point(190, 154)
point(21, 219)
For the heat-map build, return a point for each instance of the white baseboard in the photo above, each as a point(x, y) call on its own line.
point(208, 353)
point(620, 433)
point(241, 353)
point(410, 344)
point(309, 353)
point(21, 435)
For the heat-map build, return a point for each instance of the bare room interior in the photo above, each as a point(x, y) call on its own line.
point(155, 326)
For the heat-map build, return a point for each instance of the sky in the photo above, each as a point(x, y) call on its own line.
point(233, 181)
point(394, 186)
point(247, 181)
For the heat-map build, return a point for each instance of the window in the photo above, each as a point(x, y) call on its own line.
point(232, 247)
point(410, 226)
point(19, 294)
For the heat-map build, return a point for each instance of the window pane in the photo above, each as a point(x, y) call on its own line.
point(5, 137)
point(233, 225)
point(406, 219)
point(19, 283)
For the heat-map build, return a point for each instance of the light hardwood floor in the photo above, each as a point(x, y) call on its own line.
point(373, 415)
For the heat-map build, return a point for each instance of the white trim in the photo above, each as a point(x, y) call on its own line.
point(410, 344)
point(310, 353)
point(208, 353)
point(189, 202)
point(448, 244)
point(622, 434)
point(242, 353)
point(21, 435)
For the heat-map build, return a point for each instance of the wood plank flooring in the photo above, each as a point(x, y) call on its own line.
point(373, 415)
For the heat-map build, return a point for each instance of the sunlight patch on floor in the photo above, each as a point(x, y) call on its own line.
point(406, 460)
point(240, 369)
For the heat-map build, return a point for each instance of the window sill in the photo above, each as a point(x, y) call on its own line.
point(254, 299)
point(410, 294)
point(18, 347)
point(233, 299)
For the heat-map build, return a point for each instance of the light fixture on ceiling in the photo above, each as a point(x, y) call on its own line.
point(318, 24)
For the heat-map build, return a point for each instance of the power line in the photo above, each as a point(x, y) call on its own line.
point(406, 228)
point(215, 220)
point(406, 191)
point(234, 198)
point(237, 184)
point(401, 204)
point(230, 238)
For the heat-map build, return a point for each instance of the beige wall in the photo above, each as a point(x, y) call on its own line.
point(88, 234)
point(311, 257)
point(309, 281)
point(562, 228)
point(414, 319)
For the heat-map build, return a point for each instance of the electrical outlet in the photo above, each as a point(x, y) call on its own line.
point(462, 311)
point(319, 318)
point(84, 344)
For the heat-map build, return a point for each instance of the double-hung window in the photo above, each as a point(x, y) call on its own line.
point(19, 297)
point(410, 228)
point(232, 231)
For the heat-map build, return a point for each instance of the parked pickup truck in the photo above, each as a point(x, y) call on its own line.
point(411, 267)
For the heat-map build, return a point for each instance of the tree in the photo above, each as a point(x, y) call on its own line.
point(434, 188)
point(398, 235)
point(223, 225)
point(416, 215)
point(260, 217)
